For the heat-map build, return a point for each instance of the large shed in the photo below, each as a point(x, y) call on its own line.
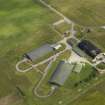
point(61, 73)
point(89, 48)
point(39, 52)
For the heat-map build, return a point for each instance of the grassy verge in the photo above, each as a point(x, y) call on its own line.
point(63, 27)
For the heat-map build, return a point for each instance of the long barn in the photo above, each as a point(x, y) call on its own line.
point(39, 52)
point(89, 48)
point(61, 73)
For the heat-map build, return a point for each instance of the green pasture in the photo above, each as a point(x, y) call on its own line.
point(24, 25)
point(83, 12)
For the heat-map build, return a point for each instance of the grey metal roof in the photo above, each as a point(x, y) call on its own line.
point(39, 52)
point(61, 73)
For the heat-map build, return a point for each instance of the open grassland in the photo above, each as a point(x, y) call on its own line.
point(83, 12)
point(26, 22)
point(24, 25)
point(93, 96)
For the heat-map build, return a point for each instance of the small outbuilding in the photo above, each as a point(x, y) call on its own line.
point(57, 47)
point(61, 73)
point(39, 52)
point(78, 67)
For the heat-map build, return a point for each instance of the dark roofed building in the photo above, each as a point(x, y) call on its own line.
point(89, 48)
point(39, 52)
point(61, 73)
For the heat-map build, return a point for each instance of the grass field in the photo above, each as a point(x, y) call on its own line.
point(63, 27)
point(95, 95)
point(87, 13)
point(24, 25)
